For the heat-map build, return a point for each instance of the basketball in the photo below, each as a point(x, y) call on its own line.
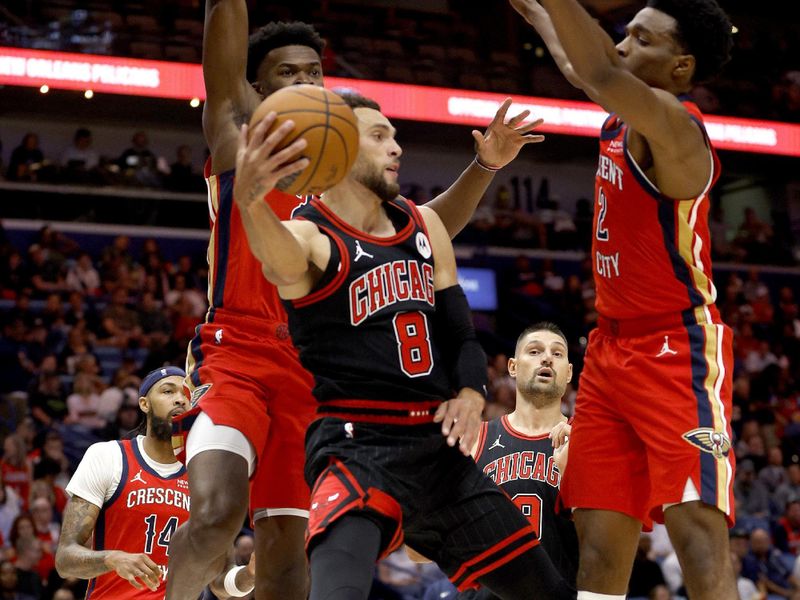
point(328, 126)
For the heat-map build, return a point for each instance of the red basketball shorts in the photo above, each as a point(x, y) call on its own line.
point(246, 374)
point(653, 412)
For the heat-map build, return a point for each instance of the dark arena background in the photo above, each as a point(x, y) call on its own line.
point(104, 229)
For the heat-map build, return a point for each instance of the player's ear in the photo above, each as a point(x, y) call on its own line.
point(569, 373)
point(144, 404)
point(512, 367)
point(684, 67)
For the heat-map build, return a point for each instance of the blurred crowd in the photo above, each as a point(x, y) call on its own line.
point(464, 47)
point(81, 164)
point(78, 330)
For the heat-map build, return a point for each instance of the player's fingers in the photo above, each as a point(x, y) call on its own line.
point(516, 120)
point(500, 115)
point(259, 132)
point(530, 126)
point(477, 136)
point(440, 412)
point(532, 139)
point(134, 582)
point(469, 438)
point(274, 138)
point(291, 168)
point(288, 153)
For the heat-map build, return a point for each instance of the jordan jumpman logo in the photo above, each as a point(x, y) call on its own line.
point(665, 349)
point(360, 252)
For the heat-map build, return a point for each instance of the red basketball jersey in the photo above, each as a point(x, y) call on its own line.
point(140, 517)
point(236, 284)
point(651, 253)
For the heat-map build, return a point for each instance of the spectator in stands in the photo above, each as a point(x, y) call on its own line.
point(751, 495)
point(9, 510)
point(646, 573)
point(26, 159)
point(119, 323)
point(123, 388)
point(31, 562)
point(747, 589)
point(764, 563)
point(660, 592)
point(14, 276)
point(154, 322)
point(754, 237)
point(83, 404)
point(791, 489)
point(47, 398)
point(83, 277)
point(79, 161)
point(15, 467)
point(181, 291)
point(46, 274)
point(64, 594)
point(138, 163)
point(44, 524)
point(786, 534)
point(81, 314)
point(774, 474)
point(10, 586)
point(182, 177)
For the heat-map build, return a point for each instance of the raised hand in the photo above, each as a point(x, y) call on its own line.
point(502, 140)
point(258, 167)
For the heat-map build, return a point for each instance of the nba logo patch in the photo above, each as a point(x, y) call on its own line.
point(423, 245)
point(199, 392)
point(709, 440)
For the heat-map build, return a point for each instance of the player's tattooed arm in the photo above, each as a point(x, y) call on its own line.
point(74, 558)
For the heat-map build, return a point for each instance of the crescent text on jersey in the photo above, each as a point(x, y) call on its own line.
point(157, 495)
point(609, 170)
point(387, 284)
point(524, 465)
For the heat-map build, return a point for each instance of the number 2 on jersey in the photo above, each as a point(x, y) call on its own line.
point(413, 343)
point(163, 537)
point(530, 505)
point(602, 231)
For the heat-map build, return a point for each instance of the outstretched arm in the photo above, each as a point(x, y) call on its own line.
point(75, 559)
point(537, 16)
point(230, 99)
point(495, 148)
point(655, 114)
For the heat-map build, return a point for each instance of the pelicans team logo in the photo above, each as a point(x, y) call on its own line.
point(199, 392)
point(709, 440)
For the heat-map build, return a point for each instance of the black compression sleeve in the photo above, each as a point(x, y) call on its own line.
point(456, 339)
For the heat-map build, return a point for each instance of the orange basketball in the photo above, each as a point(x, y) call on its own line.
point(328, 126)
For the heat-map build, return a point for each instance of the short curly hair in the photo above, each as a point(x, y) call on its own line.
point(277, 35)
point(703, 30)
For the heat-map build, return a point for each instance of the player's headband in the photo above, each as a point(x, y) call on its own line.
point(156, 375)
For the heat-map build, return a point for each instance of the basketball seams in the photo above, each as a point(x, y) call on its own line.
point(322, 146)
point(324, 98)
point(319, 112)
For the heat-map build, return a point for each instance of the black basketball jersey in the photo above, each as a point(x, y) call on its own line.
point(365, 330)
point(524, 468)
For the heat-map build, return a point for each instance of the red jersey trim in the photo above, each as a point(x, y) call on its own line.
point(334, 283)
point(400, 236)
point(481, 439)
point(518, 434)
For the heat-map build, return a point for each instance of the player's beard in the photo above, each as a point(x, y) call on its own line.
point(542, 394)
point(159, 428)
point(375, 182)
